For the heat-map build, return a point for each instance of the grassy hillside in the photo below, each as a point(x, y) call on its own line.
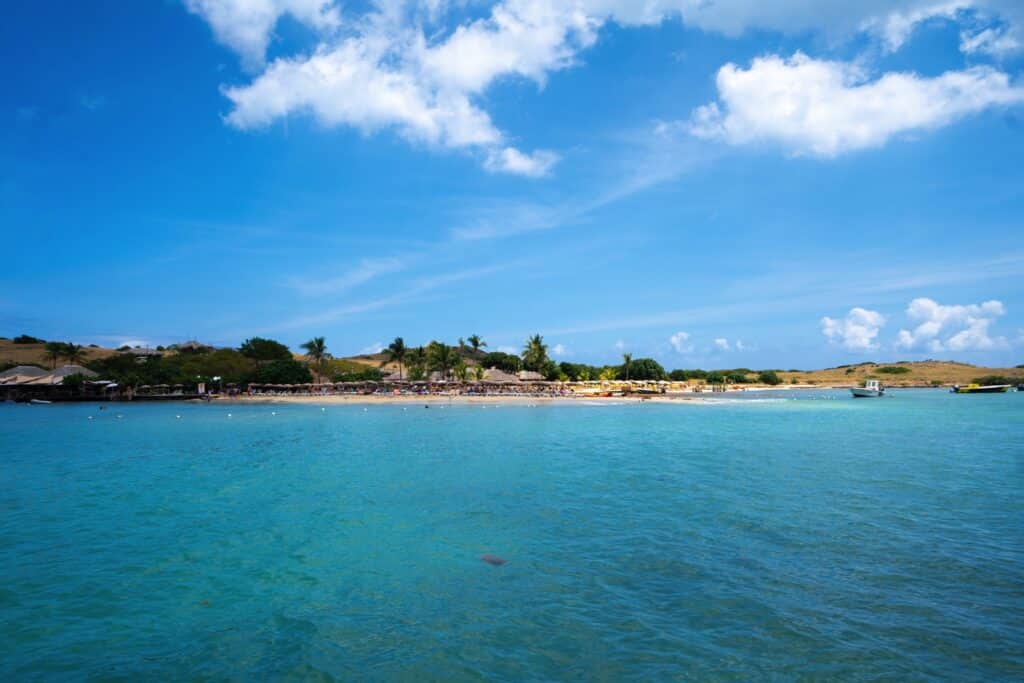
point(35, 354)
point(923, 373)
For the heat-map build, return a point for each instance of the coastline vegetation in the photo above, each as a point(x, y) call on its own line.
point(268, 361)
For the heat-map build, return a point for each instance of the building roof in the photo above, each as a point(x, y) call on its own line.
point(58, 375)
point(22, 371)
point(142, 351)
point(499, 376)
point(531, 376)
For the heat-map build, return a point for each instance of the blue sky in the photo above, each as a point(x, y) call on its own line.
point(711, 184)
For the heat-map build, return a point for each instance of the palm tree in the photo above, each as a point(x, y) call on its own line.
point(74, 353)
point(461, 370)
point(627, 358)
point(396, 354)
point(535, 353)
point(316, 351)
point(476, 343)
point(417, 358)
point(441, 358)
point(53, 351)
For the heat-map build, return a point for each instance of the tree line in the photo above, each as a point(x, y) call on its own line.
point(268, 361)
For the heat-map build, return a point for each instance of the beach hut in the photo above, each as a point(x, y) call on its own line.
point(56, 377)
point(496, 376)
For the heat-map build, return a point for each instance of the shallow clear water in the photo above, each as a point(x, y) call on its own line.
point(820, 538)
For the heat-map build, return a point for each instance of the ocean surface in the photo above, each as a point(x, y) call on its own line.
point(793, 536)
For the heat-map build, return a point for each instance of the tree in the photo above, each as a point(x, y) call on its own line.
point(476, 343)
point(645, 369)
point(461, 370)
point(74, 353)
point(288, 371)
point(769, 377)
point(74, 383)
point(478, 373)
point(316, 351)
point(53, 351)
point(608, 373)
point(260, 350)
point(627, 358)
point(417, 363)
point(27, 339)
point(506, 362)
point(441, 358)
point(397, 352)
point(535, 353)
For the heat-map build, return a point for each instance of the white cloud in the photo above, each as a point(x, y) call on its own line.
point(559, 351)
point(511, 160)
point(895, 28)
point(374, 348)
point(509, 350)
point(824, 108)
point(680, 341)
point(723, 344)
point(951, 328)
point(997, 42)
point(857, 331)
point(620, 345)
point(400, 65)
point(245, 25)
point(367, 270)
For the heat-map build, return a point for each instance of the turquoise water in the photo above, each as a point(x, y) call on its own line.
point(819, 539)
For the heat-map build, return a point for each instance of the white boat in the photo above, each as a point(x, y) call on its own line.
point(40, 402)
point(871, 389)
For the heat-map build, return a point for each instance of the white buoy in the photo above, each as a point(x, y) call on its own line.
point(273, 413)
point(90, 417)
point(323, 410)
point(120, 416)
point(229, 414)
point(178, 416)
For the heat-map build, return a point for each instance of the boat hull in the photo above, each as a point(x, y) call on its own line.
point(866, 393)
point(996, 389)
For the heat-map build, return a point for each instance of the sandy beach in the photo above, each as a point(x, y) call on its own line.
point(440, 399)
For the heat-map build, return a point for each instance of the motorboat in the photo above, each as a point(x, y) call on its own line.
point(872, 389)
point(980, 389)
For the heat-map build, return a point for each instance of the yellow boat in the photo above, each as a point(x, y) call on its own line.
point(979, 389)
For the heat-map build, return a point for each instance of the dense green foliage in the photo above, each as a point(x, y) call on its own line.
point(188, 369)
point(989, 380)
point(892, 370)
point(503, 361)
point(441, 358)
point(642, 369)
point(288, 371)
point(28, 339)
point(769, 377)
point(535, 354)
point(396, 352)
point(260, 349)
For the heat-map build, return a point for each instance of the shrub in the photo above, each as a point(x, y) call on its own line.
point(769, 377)
point(261, 349)
point(893, 370)
point(993, 379)
point(284, 372)
point(28, 339)
point(643, 369)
